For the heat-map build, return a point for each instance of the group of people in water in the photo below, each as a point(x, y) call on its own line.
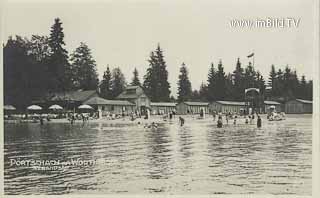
point(229, 116)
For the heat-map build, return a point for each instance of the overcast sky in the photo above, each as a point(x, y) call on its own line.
point(123, 33)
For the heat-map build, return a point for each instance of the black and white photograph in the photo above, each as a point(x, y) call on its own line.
point(160, 98)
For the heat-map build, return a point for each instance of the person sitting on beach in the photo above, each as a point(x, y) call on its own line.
point(246, 119)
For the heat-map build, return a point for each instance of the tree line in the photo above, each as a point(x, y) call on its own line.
point(281, 86)
point(41, 65)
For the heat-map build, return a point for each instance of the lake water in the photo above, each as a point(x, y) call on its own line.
point(197, 158)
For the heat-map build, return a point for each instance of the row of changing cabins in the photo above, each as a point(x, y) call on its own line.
point(133, 99)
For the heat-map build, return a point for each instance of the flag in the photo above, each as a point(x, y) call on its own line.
point(250, 55)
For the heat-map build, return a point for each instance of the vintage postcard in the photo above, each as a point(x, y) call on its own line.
point(208, 98)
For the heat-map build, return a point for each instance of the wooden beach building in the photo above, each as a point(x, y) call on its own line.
point(111, 106)
point(192, 107)
point(298, 106)
point(269, 104)
point(227, 106)
point(69, 100)
point(160, 108)
point(136, 95)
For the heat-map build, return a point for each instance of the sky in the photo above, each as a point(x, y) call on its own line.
point(123, 33)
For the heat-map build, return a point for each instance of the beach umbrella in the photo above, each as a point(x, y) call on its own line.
point(85, 107)
point(55, 107)
point(9, 108)
point(34, 107)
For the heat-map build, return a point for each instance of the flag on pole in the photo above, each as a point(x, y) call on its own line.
point(250, 55)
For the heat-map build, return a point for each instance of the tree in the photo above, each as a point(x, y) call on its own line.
point(135, 79)
point(238, 82)
point(272, 79)
point(58, 65)
point(105, 87)
point(211, 91)
point(221, 82)
point(83, 69)
point(203, 92)
point(24, 76)
point(118, 82)
point(156, 82)
point(150, 84)
point(163, 75)
point(249, 76)
point(184, 85)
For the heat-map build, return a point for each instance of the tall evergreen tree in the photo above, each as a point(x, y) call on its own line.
point(272, 79)
point(221, 82)
point(135, 79)
point(279, 84)
point(211, 88)
point(156, 82)
point(118, 82)
point(150, 84)
point(203, 92)
point(58, 65)
point(163, 75)
point(84, 72)
point(238, 82)
point(250, 76)
point(105, 87)
point(184, 85)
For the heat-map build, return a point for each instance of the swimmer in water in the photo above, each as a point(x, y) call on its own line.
point(181, 120)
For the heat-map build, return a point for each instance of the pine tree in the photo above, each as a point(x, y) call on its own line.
point(303, 88)
point(184, 85)
point(135, 79)
point(163, 75)
point(229, 89)
point(156, 82)
point(279, 84)
point(105, 87)
point(238, 82)
point(211, 89)
point(118, 82)
point(58, 65)
point(150, 84)
point(84, 72)
point(203, 92)
point(272, 79)
point(250, 76)
point(221, 82)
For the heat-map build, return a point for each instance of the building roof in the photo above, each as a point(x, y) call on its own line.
point(269, 102)
point(102, 101)
point(196, 103)
point(163, 104)
point(235, 103)
point(72, 95)
point(304, 101)
point(125, 95)
point(132, 87)
point(129, 95)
